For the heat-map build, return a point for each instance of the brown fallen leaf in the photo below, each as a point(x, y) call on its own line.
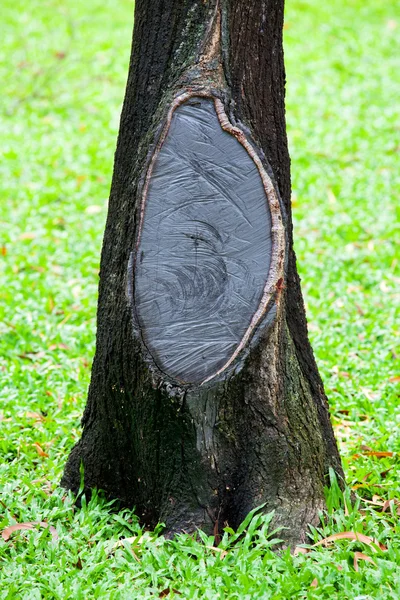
point(32, 356)
point(384, 474)
point(40, 450)
point(222, 552)
point(373, 453)
point(383, 504)
point(378, 454)
point(167, 591)
point(363, 417)
point(377, 500)
point(300, 550)
point(8, 531)
point(395, 379)
point(360, 556)
point(368, 485)
point(35, 415)
point(351, 535)
point(314, 583)
point(381, 546)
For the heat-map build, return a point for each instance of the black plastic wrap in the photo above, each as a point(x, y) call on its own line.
point(205, 246)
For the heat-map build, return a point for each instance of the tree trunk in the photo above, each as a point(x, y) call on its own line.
point(205, 399)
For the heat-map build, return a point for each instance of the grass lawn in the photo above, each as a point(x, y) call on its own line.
point(63, 68)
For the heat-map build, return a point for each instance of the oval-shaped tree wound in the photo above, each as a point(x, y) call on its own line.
point(205, 244)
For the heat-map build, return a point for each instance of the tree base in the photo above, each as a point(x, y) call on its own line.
point(208, 458)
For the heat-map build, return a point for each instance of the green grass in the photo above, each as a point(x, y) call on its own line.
point(63, 69)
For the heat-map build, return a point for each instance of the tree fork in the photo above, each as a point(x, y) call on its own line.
point(197, 443)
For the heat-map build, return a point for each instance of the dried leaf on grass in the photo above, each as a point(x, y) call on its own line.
point(385, 473)
point(376, 500)
point(314, 583)
point(384, 504)
point(32, 356)
point(378, 454)
point(360, 556)
point(167, 591)
point(8, 531)
point(300, 550)
point(351, 535)
point(357, 486)
point(221, 552)
point(34, 415)
point(373, 453)
point(345, 535)
point(40, 450)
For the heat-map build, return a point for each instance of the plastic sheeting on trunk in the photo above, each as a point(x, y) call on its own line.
point(205, 246)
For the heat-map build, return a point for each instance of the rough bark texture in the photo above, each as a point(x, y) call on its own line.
point(198, 456)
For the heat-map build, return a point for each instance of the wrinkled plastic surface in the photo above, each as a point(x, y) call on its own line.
point(205, 246)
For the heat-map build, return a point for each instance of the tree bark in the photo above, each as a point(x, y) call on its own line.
point(201, 452)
